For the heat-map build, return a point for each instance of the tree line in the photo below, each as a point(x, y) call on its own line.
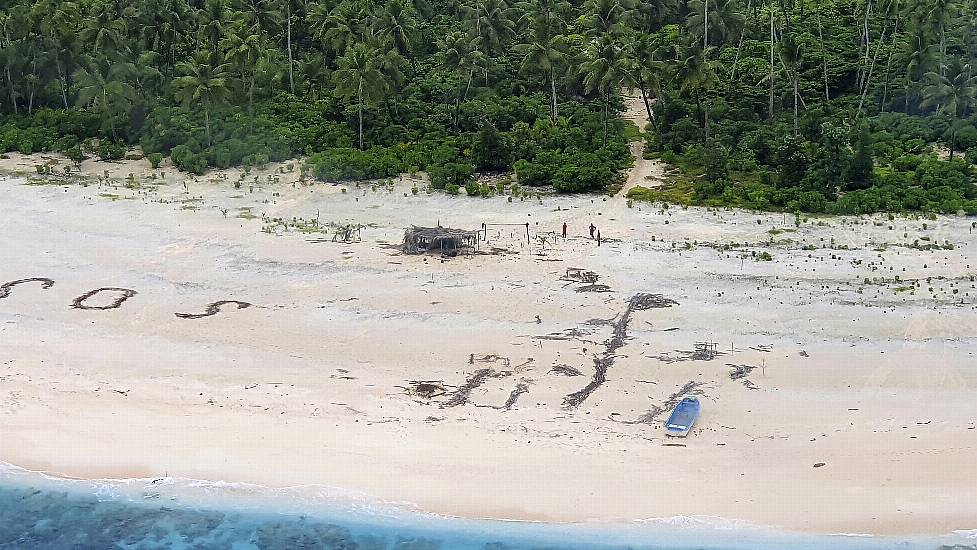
point(455, 87)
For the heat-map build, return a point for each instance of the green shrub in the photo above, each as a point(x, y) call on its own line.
point(186, 160)
point(352, 164)
point(108, 150)
point(75, 154)
point(451, 174)
point(155, 159)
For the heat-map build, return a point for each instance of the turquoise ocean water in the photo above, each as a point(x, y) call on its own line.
point(43, 512)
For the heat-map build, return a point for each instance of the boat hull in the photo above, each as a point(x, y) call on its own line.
point(683, 418)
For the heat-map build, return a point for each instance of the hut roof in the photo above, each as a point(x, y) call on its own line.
point(418, 240)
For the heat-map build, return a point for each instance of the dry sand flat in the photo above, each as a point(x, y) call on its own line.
point(432, 382)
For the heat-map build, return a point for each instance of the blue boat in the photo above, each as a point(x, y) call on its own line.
point(680, 423)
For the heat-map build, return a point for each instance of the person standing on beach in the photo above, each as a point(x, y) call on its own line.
point(598, 238)
point(564, 230)
point(592, 229)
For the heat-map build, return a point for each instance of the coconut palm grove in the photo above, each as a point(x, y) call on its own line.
point(836, 106)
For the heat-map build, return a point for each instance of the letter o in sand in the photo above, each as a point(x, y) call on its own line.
point(125, 294)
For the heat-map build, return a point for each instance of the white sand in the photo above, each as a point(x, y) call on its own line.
point(876, 383)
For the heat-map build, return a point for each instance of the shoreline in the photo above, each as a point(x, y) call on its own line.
point(334, 505)
point(847, 365)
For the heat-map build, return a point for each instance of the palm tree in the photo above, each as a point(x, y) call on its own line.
point(458, 56)
point(359, 76)
point(894, 8)
point(545, 53)
point(104, 32)
point(202, 83)
point(696, 73)
point(645, 69)
point(952, 91)
point(313, 73)
point(58, 24)
point(164, 25)
point(604, 70)
point(396, 22)
point(608, 16)
point(719, 21)
point(11, 52)
point(246, 51)
point(555, 11)
point(393, 67)
point(290, 7)
point(492, 27)
point(259, 15)
point(919, 57)
point(340, 27)
point(941, 12)
point(215, 19)
point(792, 54)
point(103, 86)
point(649, 16)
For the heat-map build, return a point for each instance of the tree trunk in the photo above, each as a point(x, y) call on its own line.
point(862, 68)
point(953, 137)
point(739, 48)
point(471, 74)
point(868, 77)
point(705, 116)
point(797, 96)
point(10, 88)
point(770, 106)
point(644, 97)
point(824, 56)
point(61, 80)
point(463, 96)
point(606, 101)
point(888, 65)
point(702, 119)
point(207, 122)
point(359, 106)
point(553, 105)
point(457, 110)
point(942, 49)
point(251, 101)
point(705, 22)
point(291, 77)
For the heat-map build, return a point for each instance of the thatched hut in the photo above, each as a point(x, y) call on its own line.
point(444, 240)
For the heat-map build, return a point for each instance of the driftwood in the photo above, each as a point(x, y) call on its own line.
point(566, 370)
point(427, 389)
point(619, 324)
point(477, 378)
point(521, 388)
point(690, 388)
point(739, 371)
point(347, 233)
point(6, 287)
point(587, 278)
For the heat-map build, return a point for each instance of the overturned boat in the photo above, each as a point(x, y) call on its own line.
point(680, 423)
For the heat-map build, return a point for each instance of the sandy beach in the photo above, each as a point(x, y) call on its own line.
point(838, 396)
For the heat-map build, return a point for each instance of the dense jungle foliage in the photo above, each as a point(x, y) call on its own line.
point(833, 105)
